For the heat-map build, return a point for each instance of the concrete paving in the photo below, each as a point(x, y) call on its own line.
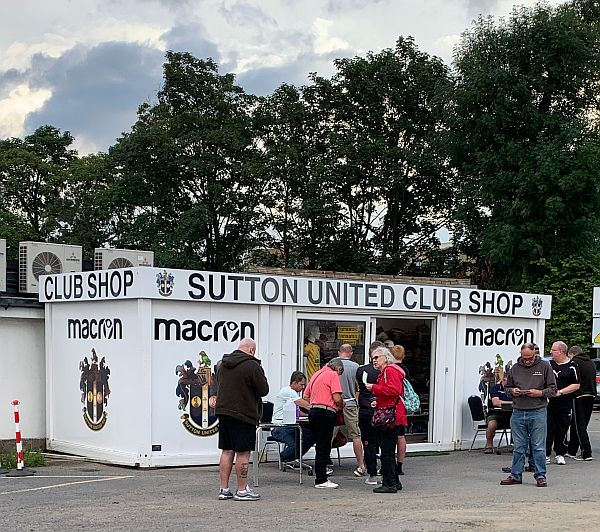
point(456, 491)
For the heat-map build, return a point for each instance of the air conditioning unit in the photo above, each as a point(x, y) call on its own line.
point(39, 258)
point(109, 259)
point(2, 265)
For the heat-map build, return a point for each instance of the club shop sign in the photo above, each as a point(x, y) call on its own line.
point(184, 285)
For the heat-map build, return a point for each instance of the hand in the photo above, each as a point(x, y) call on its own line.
point(373, 404)
point(535, 393)
point(517, 392)
point(368, 386)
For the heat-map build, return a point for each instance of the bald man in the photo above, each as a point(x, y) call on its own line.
point(241, 386)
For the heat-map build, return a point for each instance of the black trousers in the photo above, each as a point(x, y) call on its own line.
point(370, 441)
point(388, 439)
point(321, 423)
point(559, 420)
point(582, 412)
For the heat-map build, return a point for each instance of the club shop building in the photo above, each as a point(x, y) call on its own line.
point(130, 353)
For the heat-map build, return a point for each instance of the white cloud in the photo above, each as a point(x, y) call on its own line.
point(14, 108)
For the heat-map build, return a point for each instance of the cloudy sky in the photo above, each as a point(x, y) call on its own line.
point(86, 65)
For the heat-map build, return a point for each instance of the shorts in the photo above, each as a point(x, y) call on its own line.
point(503, 420)
point(351, 422)
point(236, 435)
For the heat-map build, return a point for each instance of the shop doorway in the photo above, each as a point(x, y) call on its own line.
point(321, 339)
point(416, 338)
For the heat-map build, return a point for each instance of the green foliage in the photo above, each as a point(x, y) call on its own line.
point(525, 141)
point(30, 459)
point(570, 282)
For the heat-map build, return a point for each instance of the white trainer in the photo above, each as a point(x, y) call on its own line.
point(372, 481)
point(325, 485)
point(560, 460)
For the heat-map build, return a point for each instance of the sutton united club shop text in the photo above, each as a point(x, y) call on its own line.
point(296, 291)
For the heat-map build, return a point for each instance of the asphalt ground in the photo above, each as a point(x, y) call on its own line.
point(456, 491)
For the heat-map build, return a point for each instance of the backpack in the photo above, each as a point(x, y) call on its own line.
point(411, 400)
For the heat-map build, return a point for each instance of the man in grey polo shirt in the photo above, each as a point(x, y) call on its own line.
point(348, 382)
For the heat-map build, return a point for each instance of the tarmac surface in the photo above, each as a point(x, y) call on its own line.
point(455, 491)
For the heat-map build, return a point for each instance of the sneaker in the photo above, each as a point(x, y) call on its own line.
point(385, 489)
point(510, 481)
point(560, 460)
point(540, 482)
point(329, 471)
point(246, 495)
point(582, 459)
point(325, 485)
point(547, 459)
point(569, 455)
point(360, 472)
point(224, 494)
point(372, 481)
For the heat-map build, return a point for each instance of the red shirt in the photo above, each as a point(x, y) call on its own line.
point(327, 383)
point(390, 385)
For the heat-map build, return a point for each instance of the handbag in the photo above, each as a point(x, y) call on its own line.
point(339, 419)
point(385, 417)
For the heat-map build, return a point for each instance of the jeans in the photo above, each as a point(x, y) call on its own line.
point(370, 441)
point(288, 436)
point(559, 419)
point(529, 426)
point(582, 412)
point(388, 439)
point(321, 423)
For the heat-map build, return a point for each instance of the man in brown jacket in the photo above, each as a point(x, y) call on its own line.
point(241, 386)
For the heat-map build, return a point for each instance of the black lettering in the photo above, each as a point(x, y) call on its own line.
point(127, 280)
point(236, 285)
point(517, 302)
point(246, 326)
point(503, 304)
point(194, 281)
point(167, 325)
point(357, 287)
point(454, 302)
point(188, 330)
point(315, 300)
point(488, 337)
point(201, 335)
point(332, 293)
point(73, 328)
point(370, 294)
point(390, 291)
point(474, 337)
point(252, 280)
point(292, 291)
point(439, 305)
point(423, 306)
point(488, 302)
point(93, 329)
point(211, 288)
point(474, 305)
point(263, 290)
point(92, 289)
point(68, 287)
point(48, 281)
point(498, 334)
point(78, 287)
point(115, 291)
point(102, 283)
point(413, 290)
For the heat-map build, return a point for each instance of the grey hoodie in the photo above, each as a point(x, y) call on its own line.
point(538, 376)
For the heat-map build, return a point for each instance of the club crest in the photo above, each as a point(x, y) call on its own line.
point(165, 282)
point(197, 390)
point(536, 305)
point(94, 388)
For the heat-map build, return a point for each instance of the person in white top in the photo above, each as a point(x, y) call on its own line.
point(287, 435)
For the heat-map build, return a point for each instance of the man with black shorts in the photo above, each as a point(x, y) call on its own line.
point(241, 386)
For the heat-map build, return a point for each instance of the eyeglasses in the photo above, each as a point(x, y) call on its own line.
point(375, 356)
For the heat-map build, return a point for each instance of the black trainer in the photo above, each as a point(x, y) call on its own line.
point(385, 489)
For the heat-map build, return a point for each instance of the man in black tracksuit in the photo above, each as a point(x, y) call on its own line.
point(560, 406)
point(582, 405)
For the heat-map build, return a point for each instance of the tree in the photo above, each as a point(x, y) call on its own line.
point(188, 178)
point(33, 172)
point(386, 165)
point(570, 282)
point(526, 144)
